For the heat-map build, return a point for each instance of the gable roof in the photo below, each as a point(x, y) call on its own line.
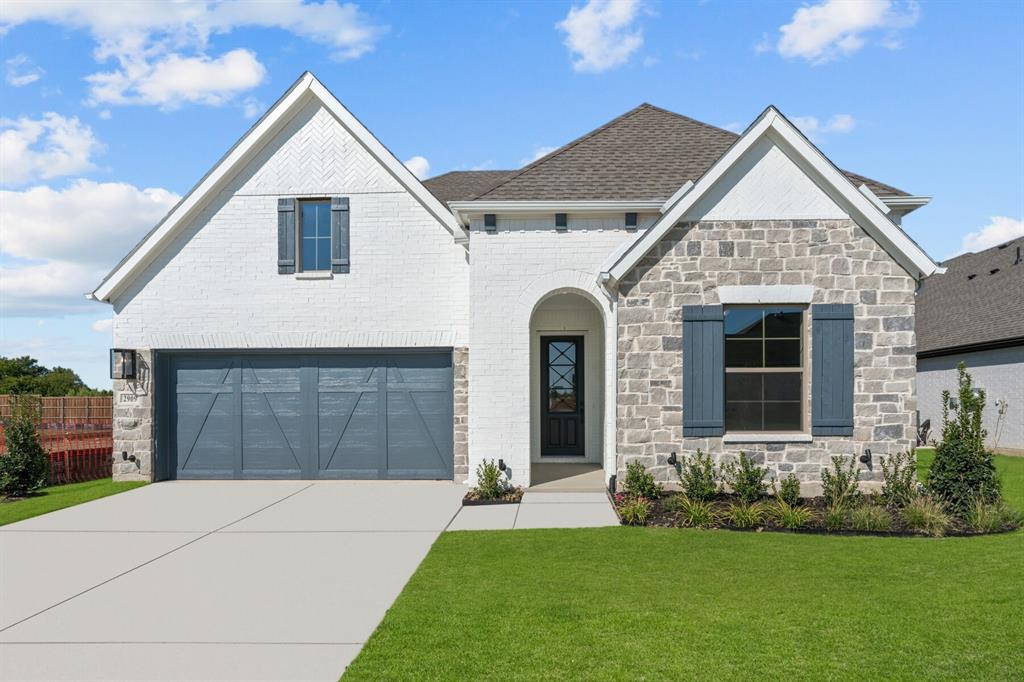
point(646, 153)
point(978, 301)
point(307, 86)
point(460, 185)
point(783, 133)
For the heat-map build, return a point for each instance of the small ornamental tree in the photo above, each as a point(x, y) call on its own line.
point(963, 471)
point(24, 466)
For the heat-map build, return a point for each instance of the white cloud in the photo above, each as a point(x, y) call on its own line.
point(105, 114)
point(1000, 229)
point(103, 325)
point(537, 153)
point(251, 107)
point(175, 80)
point(21, 71)
point(836, 28)
point(816, 130)
point(419, 166)
point(63, 242)
point(42, 148)
point(151, 41)
point(602, 34)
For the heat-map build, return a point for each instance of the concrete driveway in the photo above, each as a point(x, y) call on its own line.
point(244, 580)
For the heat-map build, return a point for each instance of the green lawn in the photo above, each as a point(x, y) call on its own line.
point(659, 604)
point(60, 496)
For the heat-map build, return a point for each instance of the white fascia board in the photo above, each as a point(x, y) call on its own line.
point(766, 293)
point(905, 204)
point(679, 194)
point(910, 256)
point(873, 198)
point(646, 241)
point(306, 86)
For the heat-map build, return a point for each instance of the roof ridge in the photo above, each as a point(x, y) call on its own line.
point(564, 148)
point(690, 119)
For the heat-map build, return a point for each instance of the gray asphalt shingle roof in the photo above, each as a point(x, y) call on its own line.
point(978, 300)
point(647, 153)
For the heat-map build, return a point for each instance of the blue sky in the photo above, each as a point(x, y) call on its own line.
point(110, 112)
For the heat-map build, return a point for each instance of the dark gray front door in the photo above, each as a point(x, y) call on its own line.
point(561, 398)
point(344, 415)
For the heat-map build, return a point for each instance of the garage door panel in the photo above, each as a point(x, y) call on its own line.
point(350, 415)
point(349, 441)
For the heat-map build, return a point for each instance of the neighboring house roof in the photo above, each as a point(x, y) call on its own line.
point(646, 153)
point(242, 152)
point(461, 185)
point(869, 214)
point(977, 302)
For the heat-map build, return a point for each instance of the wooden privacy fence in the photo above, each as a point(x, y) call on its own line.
point(76, 433)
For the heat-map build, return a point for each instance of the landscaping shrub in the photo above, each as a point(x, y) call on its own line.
point(899, 473)
point(835, 517)
point(746, 478)
point(985, 517)
point(789, 490)
point(790, 515)
point(746, 514)
point(870, 517)
point(634, 510)
point(697, 513)
point(963, 472)
point(24, 467)
point(490, 482)
point(640, 483)
point(698, 476)
point(840, 487)
point(925, 515)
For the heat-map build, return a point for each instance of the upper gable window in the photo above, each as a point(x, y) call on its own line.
point(314, 239)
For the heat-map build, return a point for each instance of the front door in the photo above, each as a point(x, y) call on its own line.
point(561, 397)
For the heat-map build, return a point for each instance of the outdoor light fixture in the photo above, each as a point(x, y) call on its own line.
point(866, 457)
point(501, 465)
point(122, 363)
point(672, 460)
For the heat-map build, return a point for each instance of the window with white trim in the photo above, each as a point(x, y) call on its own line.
point(314, 236)
point(764, 369)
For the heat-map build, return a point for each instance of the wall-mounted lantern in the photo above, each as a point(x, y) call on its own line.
point(122, 363)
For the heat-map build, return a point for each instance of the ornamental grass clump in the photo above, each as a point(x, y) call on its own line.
point(745, 478)
point(871, 518)
point(791, 516)
point(634, 511)
point(963, 472)
point(696, 513)
point(984, 517)
point(746, 514)
point(925, 515)
point(698, 476)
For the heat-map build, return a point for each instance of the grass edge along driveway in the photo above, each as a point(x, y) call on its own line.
point(57, 497)
point(650, 603)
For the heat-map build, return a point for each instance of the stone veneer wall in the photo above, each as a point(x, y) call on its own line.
point(843, 264)
point(133, 422)
point(460, 367)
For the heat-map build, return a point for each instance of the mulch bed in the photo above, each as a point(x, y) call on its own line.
point(513, 496)
point(662, 515)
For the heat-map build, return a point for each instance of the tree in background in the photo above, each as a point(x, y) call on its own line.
point(24, 466)
point(25, 375)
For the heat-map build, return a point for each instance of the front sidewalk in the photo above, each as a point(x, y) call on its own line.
point(540, 510)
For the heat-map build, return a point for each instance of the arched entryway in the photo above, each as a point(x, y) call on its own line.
point(567, 392)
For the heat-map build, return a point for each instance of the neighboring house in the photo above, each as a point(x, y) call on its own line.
point(974, 314)
point(312, 310)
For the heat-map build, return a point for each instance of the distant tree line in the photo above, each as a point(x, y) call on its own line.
point(26, 375)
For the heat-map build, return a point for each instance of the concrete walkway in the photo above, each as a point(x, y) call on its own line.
point(540, 510)
point(244, 580)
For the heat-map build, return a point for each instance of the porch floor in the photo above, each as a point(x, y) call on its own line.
point(567, 478)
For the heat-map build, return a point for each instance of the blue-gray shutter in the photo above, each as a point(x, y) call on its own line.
point(286, 236)
point(832, 369)
point(703, 370)
point(339, 234)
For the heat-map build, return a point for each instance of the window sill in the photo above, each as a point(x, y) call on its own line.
point(767, 438)
point(314, 275)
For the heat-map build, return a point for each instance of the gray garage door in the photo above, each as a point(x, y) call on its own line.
point(352, 415)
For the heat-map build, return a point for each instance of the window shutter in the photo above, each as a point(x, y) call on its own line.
point(832, 370)
point(286, 236)
point(703, 370)
point(339, 234)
